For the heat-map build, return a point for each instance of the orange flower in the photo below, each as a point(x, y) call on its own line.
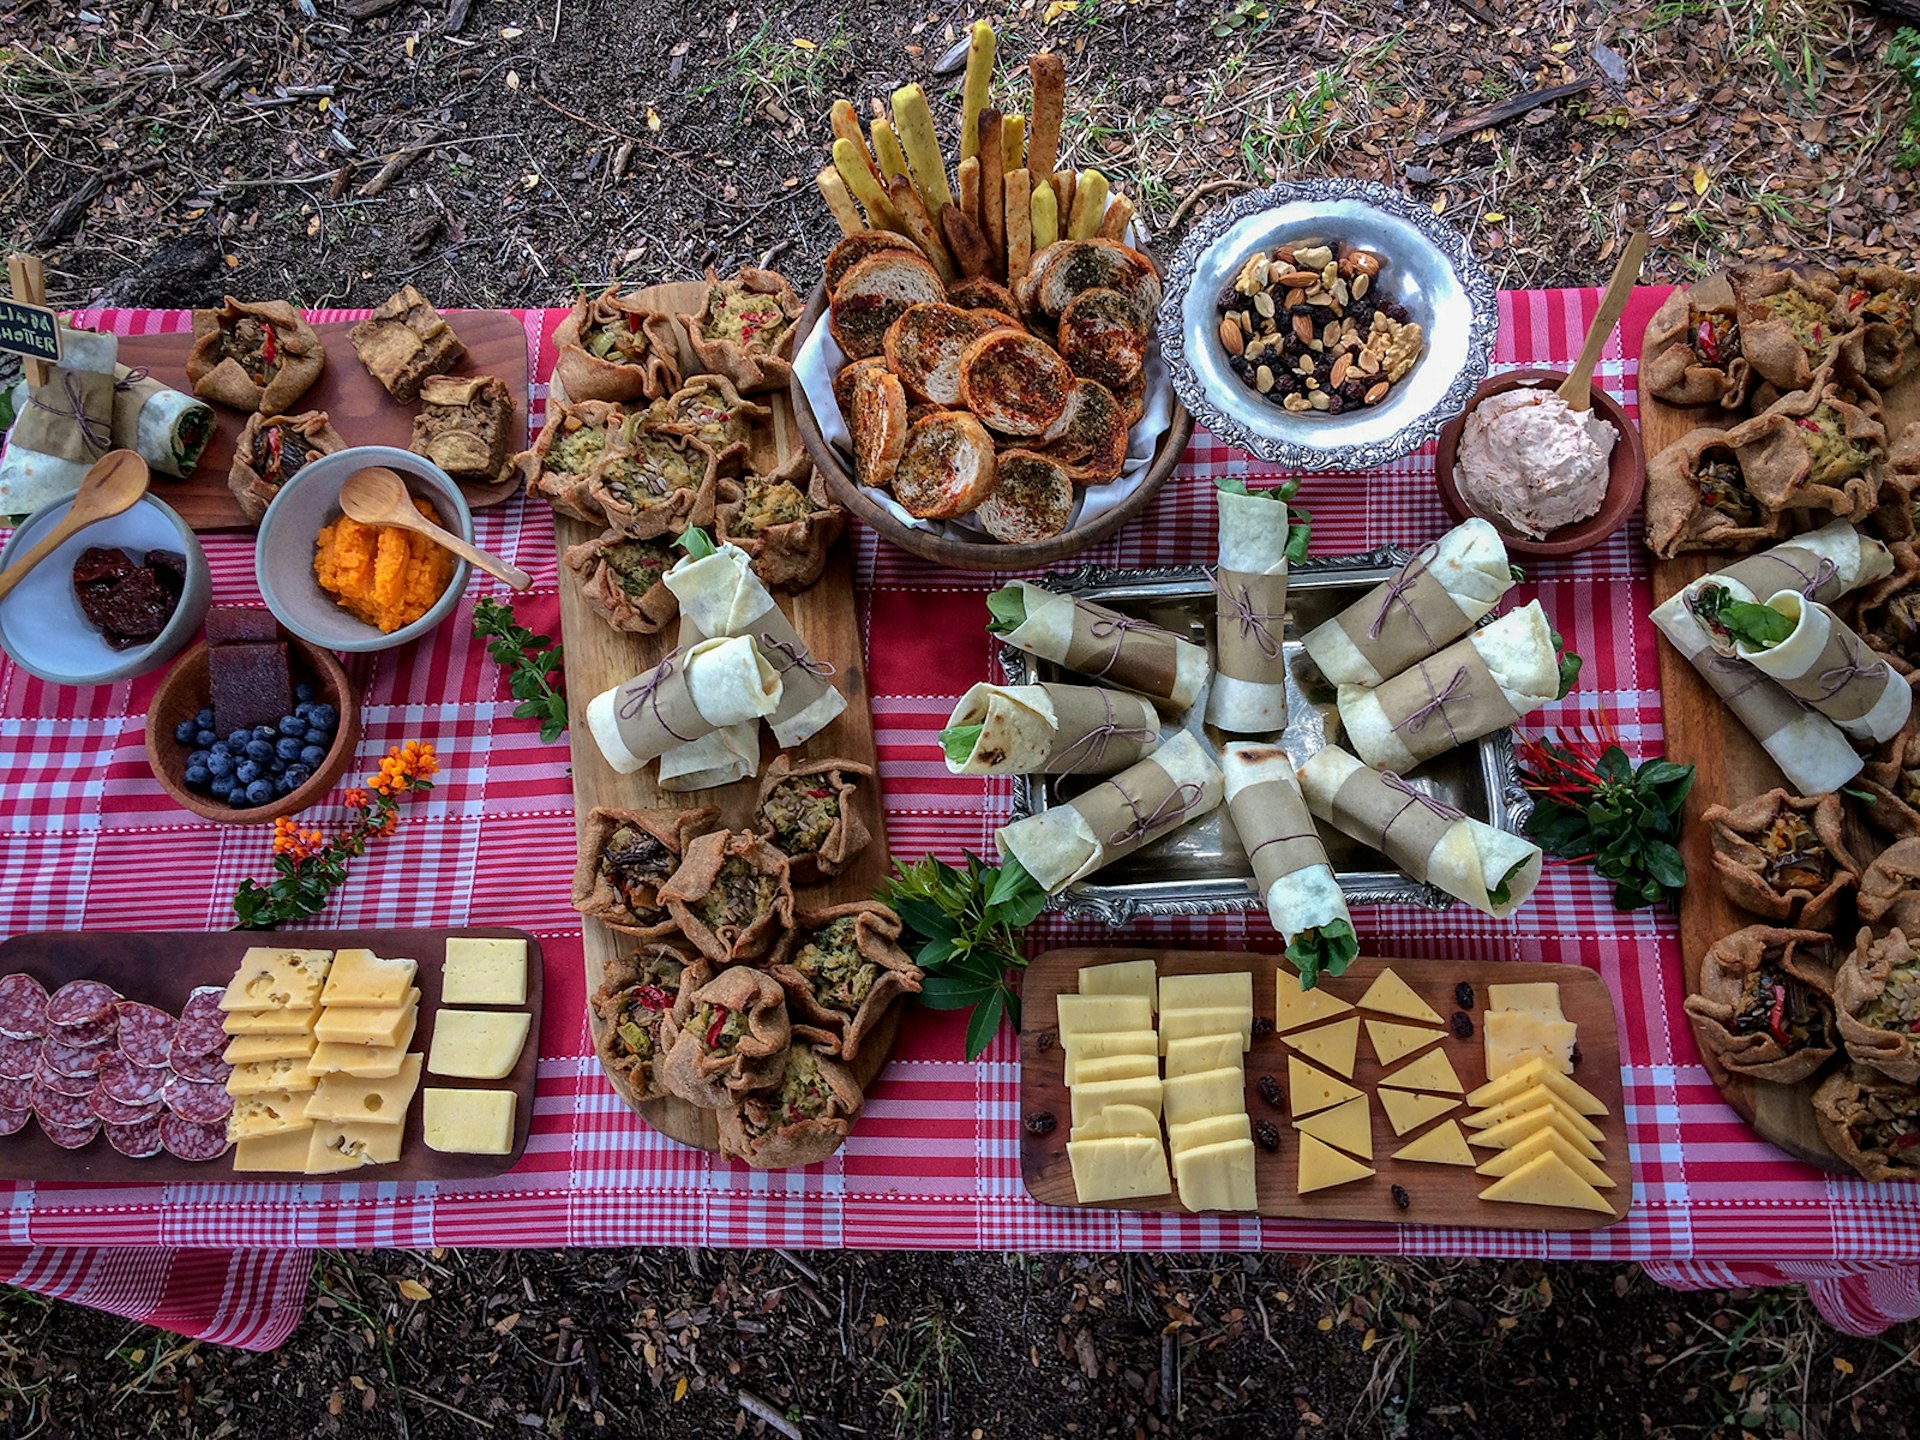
point(355, 798)
point(290, 839)
point(403, 765)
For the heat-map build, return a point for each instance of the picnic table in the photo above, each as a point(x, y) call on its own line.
point(92, 843)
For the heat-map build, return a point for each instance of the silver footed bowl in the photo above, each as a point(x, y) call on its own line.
point(1428, 268)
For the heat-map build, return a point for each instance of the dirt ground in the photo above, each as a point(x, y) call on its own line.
point(163, 151)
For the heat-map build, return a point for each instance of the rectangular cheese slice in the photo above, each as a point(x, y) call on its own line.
point(1201, 1095)
point(347, 1099)
point(1294, 1007)
point(1514, 1156)
point(1393, 1043)
point(335, 1147)
point(288, 1073)
point(1089, 1100)
point(1532, 1098)
point(1511, 1132)
point(1390, 995)
point(477, 1044)
point(271, 1022)
point(1084, 1071)
point(247, 1049)
point(1547, 1180)
point(1203, 1052)
point(468, 1122)
point(1347, 1126)
point(1217, 1177)
point(1537, 1071)
point(1442, 1145)
point(1514, 1037)
point(1332, 1045)
point(1121, 1167)
point(360, 977)
point(484, 970)
point(1123, 977)
point(1090, 1014)
point(1113, 1042)
point(1117, 1120)
point(368, 1062)
point(1215, 990)
point(273, 977)
point(1322, 1167)
point(367, 1025)
point(1431, 1071)
point(1309, 1089)
point(1541, 997)
point(285, 1153)
point(269, 1114)
point(1407, 1111)
point(1185, 1024)
point(1213, 1130)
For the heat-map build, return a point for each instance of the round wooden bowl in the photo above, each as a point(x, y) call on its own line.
point(185, 691)
point(1626, 472)
point(970, 554)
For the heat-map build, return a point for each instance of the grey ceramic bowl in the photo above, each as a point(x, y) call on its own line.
point(283, 553)
point(41, 625)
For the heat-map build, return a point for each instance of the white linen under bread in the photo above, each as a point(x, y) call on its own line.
point(29, 479)
point(1303, 899)
point(728, 679)
point(1800, 651)
point(1253, 541)
point(1049, 626)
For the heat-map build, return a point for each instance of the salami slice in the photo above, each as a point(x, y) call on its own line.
point(16, 1094)
point(138, 1140)
point(209, 1068)
point(89, 1036)
point(113, 1112)
point(66, 1084)
point(202, 1029)
point(81, 1002)
point(53, 1108)
point(23, 1007)
point(187, 1141)
point(71, 1137)
point(129, 1083)
point(64, 1059)
point(12, 1122)
point(145, 1034)
point(19, 1059)
point(203, 1104)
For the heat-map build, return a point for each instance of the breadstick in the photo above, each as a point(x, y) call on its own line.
point(993, 189)
point(913, 119)
point(850, 160)
point(1048, 72)
point(1113, 225)
point(1013, 142)
point(965, 240)
point(1019, 221)
point(1089, 205)
point(1045, 220)
point(918, 225)
point(968, 176)
point(973, 96)
point(886, 146)
point(1065, 182)
point(846, 126)
point(834, 191)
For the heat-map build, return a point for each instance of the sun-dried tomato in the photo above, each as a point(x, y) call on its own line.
point(719, 1024)
point(652, 997)
point(1777, 1018)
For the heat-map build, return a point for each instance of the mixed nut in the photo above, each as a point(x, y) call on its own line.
point(1306, 326)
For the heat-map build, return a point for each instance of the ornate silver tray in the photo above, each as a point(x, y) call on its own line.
point(1202, 869)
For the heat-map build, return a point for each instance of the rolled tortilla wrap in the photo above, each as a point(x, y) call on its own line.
point(1290, 867)
point(1809, 748)
point(1436, 597)
point(1177, 783)
point(1048, 729)
point(1472, 688)
point(164, 427)
point(1249, 691)
point(1826, 664)
point(721, 595)
point(49, 450)
point(687, 695)
point(1429, 839)
point(1822, 565)
point(728, 754)
point(1112, 648)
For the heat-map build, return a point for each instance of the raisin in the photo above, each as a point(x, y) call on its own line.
point(1354, 391)
point(1462, 1026)
point(1285, 383)
point(1306, 310)
point(1575, 1055)
point(1463, 995)
point(1293, 347)
point(1336, 403)
point(1270, 1091)
point(1401, 1198)
point(1040, 1122)
point(1267, 1134)
point(1238, 364)
point(1230, 298)
point(1262, 1025)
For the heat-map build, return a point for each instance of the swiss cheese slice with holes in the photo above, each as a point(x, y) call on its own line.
point(247, 1049)
point(1123, 977)
point(1332, 1045)
point(1121, 1167)
point(336, 1147)
point(366, 1062)
point(1322, 1167)
point(268, 1114)
point(1532, 1098)
point(1514, 1156)
point(1431, 1071)
point(273, 977)
point(1408, 1111)
point(1442, 1145)
point(1347, 1126)
point(378, 1026)
point(284, 1153)
point(288, 1073)
point(1513, 1037)
point(1294, 1007)
point(1537, 1071)
point(1547, 1180)
point(1203, 1052)
point(1393, 1043)
point(1541, 997)
point(360, 977)
point(1309, 1089)
point(271, 1022)
point(349, 1100)
point(1511, 1132)
point(1390, 995)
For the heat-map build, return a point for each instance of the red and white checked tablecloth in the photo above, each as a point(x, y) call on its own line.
point(93, 843)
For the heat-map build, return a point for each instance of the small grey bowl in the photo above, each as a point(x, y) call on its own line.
point(283, 553)
point(1430, 269)
point(41, 624)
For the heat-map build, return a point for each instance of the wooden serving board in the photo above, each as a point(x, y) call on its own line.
point(163, 967)
point(360, 408)
point(600, 657)
point(1438, 1194)
point(1730, 767)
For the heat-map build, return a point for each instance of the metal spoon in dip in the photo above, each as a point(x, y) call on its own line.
point(378, 496)
point(1577, 388)
point(115, 484)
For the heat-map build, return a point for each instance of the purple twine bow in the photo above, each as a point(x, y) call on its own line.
point(1436, 704)
point(97, 435)
point(1824, 572)
point(1396, 594)
point(797, 656)
point(1100, 736)
point(133, 377)
point(1252, 623)
point(1836, 678)
point(647, 693)
point(1416, 797)
point(1116, 627)
point(1187, 794)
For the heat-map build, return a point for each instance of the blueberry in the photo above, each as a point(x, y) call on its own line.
point(219, 764)
point(205, 735)
point(221, 787)
point(324, 716)
point(238, 738)
point(184, 732)
point(196, 777)
point(260, 792)
point(260, 750)
point(198, 757)
point(287, 747)
point(263, 732)
point(313, 755)
point(247, 771)
point(276, 766)
point(296, 776)
point(203, 717)
point(303, 691)
point(238, 799)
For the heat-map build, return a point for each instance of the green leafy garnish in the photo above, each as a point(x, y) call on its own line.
point(1324, 950)
point(1592, 805)
point(697, 543)
point(1299, 522)
point(532, 663)
point(6, 411)
point(1299, 535)
point(1503, 892)
point(1570, 664)
point(1517, 573)
point(958, 741)
point(1233, 485)
point(1006, 610)
point(968, 919)
point(1759, 626)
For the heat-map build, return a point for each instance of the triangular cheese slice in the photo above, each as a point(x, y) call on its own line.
point(1393, 1043)
point(1407, 1111)
point(1431, 1071)
point(1310, 1089)
point(1511, 1159)
point(1332, 1045)
point(1390, 995)
point(1442, 1145)
point(1295, 1007)
point(1547, 1180)
point(1322, 1166)
point(1346, 1125)
point(1512, 1132)
point(1532, 1098)
point(1537, 1071)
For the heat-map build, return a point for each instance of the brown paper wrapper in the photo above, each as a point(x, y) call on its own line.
point(1787, 567)
point(51, 423)
point(1445, 701)
point(1847, 680)
point(1404, 619)
point(1759, 704)
point(1403, 825)
point(1277, 829)
point(1134, 809)
point(1250, 614)
point(804, 679)
point(1126, 652)
point(656, 710)
point(1098, 731)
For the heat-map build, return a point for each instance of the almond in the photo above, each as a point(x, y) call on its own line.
point(1377, 393)
point(1231, 340)
point(1303, 328)
point(1340, 369)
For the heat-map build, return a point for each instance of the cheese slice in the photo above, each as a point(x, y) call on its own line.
point(368, 1062)
point(1390, 995)
point(1213, 1130)
point(468, 1122)
point(1531, 1099)
point(269, 1114)
point(333, 1148)
point(1406, 1110)
point(1309, 1089)
point(1537, 1071)
point(1547, 1180)
point(1347, 1125)
point(1322, 1167)
point(1431, 1071)
point(271, 1022)
point(1442, 1145)
point(1203, 1052)
point(1514, 1156)
point(1514, 1037)
point(288, 1073)
point(1205, 1093)
point(1511, 1132)
point(1090, 1014)
point(1113, 1042)
point(1123, 977)
point(360, 977)
point(247, 1049)
point(1122, 1167)
point(284, 1153)
point(1333, 1045)
point(1541, 998)
point(1294, 1007)
point(1079, 1071)
point(1214, 990)
point(1090, 1100)
point(1217, 1177)
point(484, 970)
point(1114, 1120)
point(369, 1025)
point(1393, 1043)
point(477, 1044)
point(1185, 1024)
point(349, 1100)
point(272, 977)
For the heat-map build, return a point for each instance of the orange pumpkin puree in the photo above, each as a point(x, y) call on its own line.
point(384, 575)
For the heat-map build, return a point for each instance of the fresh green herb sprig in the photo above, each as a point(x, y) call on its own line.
point(1324, 950)
point(1299, 521)
point(1006, 610)
point(1760, 626)
point(532, 663)
point(1570, 664)
point(969, 920)
point(1593, 805)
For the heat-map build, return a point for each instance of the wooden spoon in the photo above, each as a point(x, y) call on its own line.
point(115, 483)
point(378, 496)
point(1577, 388)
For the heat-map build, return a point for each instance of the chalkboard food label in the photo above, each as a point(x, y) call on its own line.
point(29, 330)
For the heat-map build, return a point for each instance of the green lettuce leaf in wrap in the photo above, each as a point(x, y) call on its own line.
point(1324, 950)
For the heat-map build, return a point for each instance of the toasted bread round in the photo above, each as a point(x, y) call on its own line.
point(878, 420)
point(873, 294)
point(982, 292)
point(924, 347)
point(855, 248)
point(1101, 337)
point(850, 372)
point(1133, 398)
point(1090, 440)
point(1066, 268)
point(1032, 499)
point(1001, 318)
point(948, 466)
point(1014, 382)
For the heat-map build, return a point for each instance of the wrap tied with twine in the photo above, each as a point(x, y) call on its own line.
point(688, 695)
point(1824, 663)
point(1291, 872)
point(1054, 729)
point(1121, 651)
point(1249, 694)
point(63, 426)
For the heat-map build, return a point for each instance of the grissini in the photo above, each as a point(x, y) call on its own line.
point(719, 682)
point(1257, 533)
point(839, 200)
point(973, 95)
point(1100, 643)
point(1048, 729)
point(1290, 867)
point(725, 755)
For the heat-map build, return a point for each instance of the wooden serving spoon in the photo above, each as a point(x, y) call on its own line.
point(1577, 388)
point(115, 483)
point(378, 496)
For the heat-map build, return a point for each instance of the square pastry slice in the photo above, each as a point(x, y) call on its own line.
point(403, 341)
point(465, 426)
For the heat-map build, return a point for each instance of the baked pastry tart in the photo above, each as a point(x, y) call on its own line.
point(1765, 1003)
point(1877, 993)
point(808, 813)
point(465, 426)
point(560, 465)
point(843, 967)
point(271, 450)
point(650, 483)
point(254, 357)
point(1694, 341)
point(724, 1035)
point(731, 896)
point(1889, 896)
point(610, 349)
point(620, 575)
point(1871, 1122)
point(631, 1005)
point(1816, 449)
point(1892, 778)
point(1697, 498)
point(626, 856)
point(800, 1122)
point(1788, 323)
point(785, 520)
point(1781, 856)
point(747, 328)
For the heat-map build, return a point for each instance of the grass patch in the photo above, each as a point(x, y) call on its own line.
point(795, 73)
point(1902, 56)
point(919, 1367)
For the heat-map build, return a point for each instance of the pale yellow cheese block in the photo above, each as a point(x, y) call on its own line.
point(1206, 1093)
point(1089, 1100)
point(1392, 1043)
point(1347, 1126)
point(360, 977)
point(271, 1022)
point(288, 1073)
point(1219, 990)
point(367, 1062)
point(1540, 997)
point(1322, 1167)
point(484, 970)
point(349, 1100)
point(1390, 995)
point(283, 1153)
point(269, 1114)
point(1203, 1052)
point(1122, 1167)
point(1092, 1014)
point(1513, 1037)
point(1537, 1071)
point(1334, 1046)
point(1309, 1089)
point(1431, 1071)
point(1113, 1042)
point(1442, 1145)
point(248, 1049)
point(1511, 1132)
point(1185, 1024)
point(1514, 1156)
point(1212, 1130)
point(1123, 977)
point(1547, 1180)
point(1294, 1007)
point(273, 977)
point(1217, 1177)
point(1116, 1120)
point(367, 1025)
point(1532, 1098)
point(1407, 1111)
point(336, 1147)
point(468, 1122)
point(477, 1044)
point(1079, 1071)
